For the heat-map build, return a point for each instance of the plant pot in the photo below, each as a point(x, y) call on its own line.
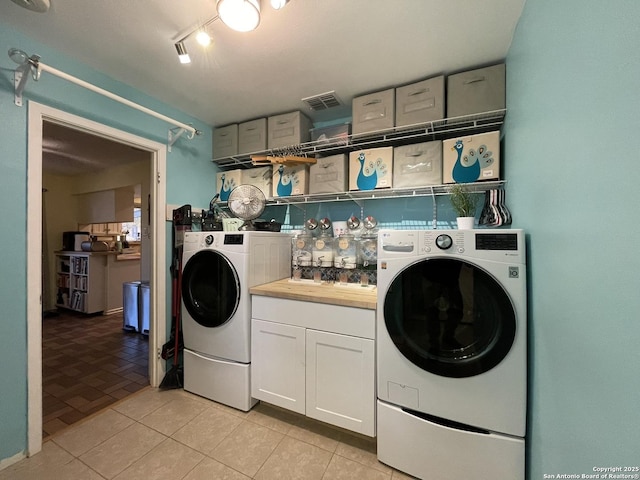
point(466, 223)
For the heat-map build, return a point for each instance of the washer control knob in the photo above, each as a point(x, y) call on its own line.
point(443, 242)
point(208, 239)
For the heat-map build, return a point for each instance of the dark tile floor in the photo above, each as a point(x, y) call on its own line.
point(88, 363)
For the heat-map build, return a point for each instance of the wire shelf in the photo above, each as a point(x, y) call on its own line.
point(428, 131)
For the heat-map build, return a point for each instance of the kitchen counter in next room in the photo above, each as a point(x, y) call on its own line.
point(327, 293)
point(115, 269)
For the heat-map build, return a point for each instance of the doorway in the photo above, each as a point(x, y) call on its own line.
point(38, 115)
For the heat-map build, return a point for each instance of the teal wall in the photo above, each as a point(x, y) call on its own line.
point(572, 101)
point(190, 179)
point(573, 114)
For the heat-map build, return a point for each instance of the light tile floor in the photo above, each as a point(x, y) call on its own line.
point(173, 434)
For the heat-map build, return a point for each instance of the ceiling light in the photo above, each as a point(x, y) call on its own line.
point(182, 53)
point(239, 15)
point(203, 38)
point(278, 4)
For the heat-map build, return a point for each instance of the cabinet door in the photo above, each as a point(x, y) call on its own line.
point(341, 381)
point(277, 364)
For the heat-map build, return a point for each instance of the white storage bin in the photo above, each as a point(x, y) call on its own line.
point(329, 174)
point(292, 180)
point(288, 129)
point(417, 165)
point(420, 102)
point(471, 159)
point(369, 169)
point(476, 91)
point(260, 177)
point(225, 141)
point(252, 136)
point(375, 111)
point(226, 181)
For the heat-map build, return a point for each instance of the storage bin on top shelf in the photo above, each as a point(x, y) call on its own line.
point(476, 91)
point(287, 129)
point(252, 136)
point(331, 135)
point(375, 111)
point(420, 102)
point(225, 141)
point(472, 158)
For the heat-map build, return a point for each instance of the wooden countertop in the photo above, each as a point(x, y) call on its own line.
point(333, 294)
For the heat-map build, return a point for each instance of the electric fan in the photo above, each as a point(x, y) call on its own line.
point(247, 203)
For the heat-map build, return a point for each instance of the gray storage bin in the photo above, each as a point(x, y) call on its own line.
point(225, 141)
point(252, 136)
point(288, 129)
point(375, 111)
point(417, 165)
point(329, 174)
point(476, 91)
point(420, 102)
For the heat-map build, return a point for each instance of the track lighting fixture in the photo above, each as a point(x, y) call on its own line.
point(239, 15)
point(182, 52)
point(203, 38)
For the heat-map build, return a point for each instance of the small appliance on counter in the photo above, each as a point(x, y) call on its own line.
point(72, 241)
point(95, 246)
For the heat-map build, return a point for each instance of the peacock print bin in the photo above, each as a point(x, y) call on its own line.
point(226, 182)
point(471, 159)
point(371, 169)
point(290, 180)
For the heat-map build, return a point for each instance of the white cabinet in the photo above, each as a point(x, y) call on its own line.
point(340, 380)
point(315, 359)
point(107, 206)
point(278, 364)
point(101, 229)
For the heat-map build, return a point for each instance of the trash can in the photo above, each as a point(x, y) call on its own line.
point(144, 307)
point(130, 301)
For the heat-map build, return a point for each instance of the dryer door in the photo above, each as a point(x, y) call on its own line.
point(449, 317)
point(210, 288)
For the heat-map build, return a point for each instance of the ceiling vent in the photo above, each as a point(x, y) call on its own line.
point(323, 101)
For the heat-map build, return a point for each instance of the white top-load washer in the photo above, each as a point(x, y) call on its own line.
point(218, 269)
point(451, 352)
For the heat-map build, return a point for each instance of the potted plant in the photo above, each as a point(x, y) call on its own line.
point(464, 202)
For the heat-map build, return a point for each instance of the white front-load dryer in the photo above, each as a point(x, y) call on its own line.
point(218, 269)
point(451, 353)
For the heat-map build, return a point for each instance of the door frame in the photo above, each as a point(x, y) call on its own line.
point(37, 114)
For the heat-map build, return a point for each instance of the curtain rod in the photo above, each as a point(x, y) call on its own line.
point(36, 67)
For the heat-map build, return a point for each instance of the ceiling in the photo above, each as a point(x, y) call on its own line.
point(67, 152)
point(307, 48)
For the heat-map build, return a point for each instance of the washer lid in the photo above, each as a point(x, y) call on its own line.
point(210, 288)
point(449, 317)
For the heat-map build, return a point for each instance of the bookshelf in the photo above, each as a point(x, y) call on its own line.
point(80, 281)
